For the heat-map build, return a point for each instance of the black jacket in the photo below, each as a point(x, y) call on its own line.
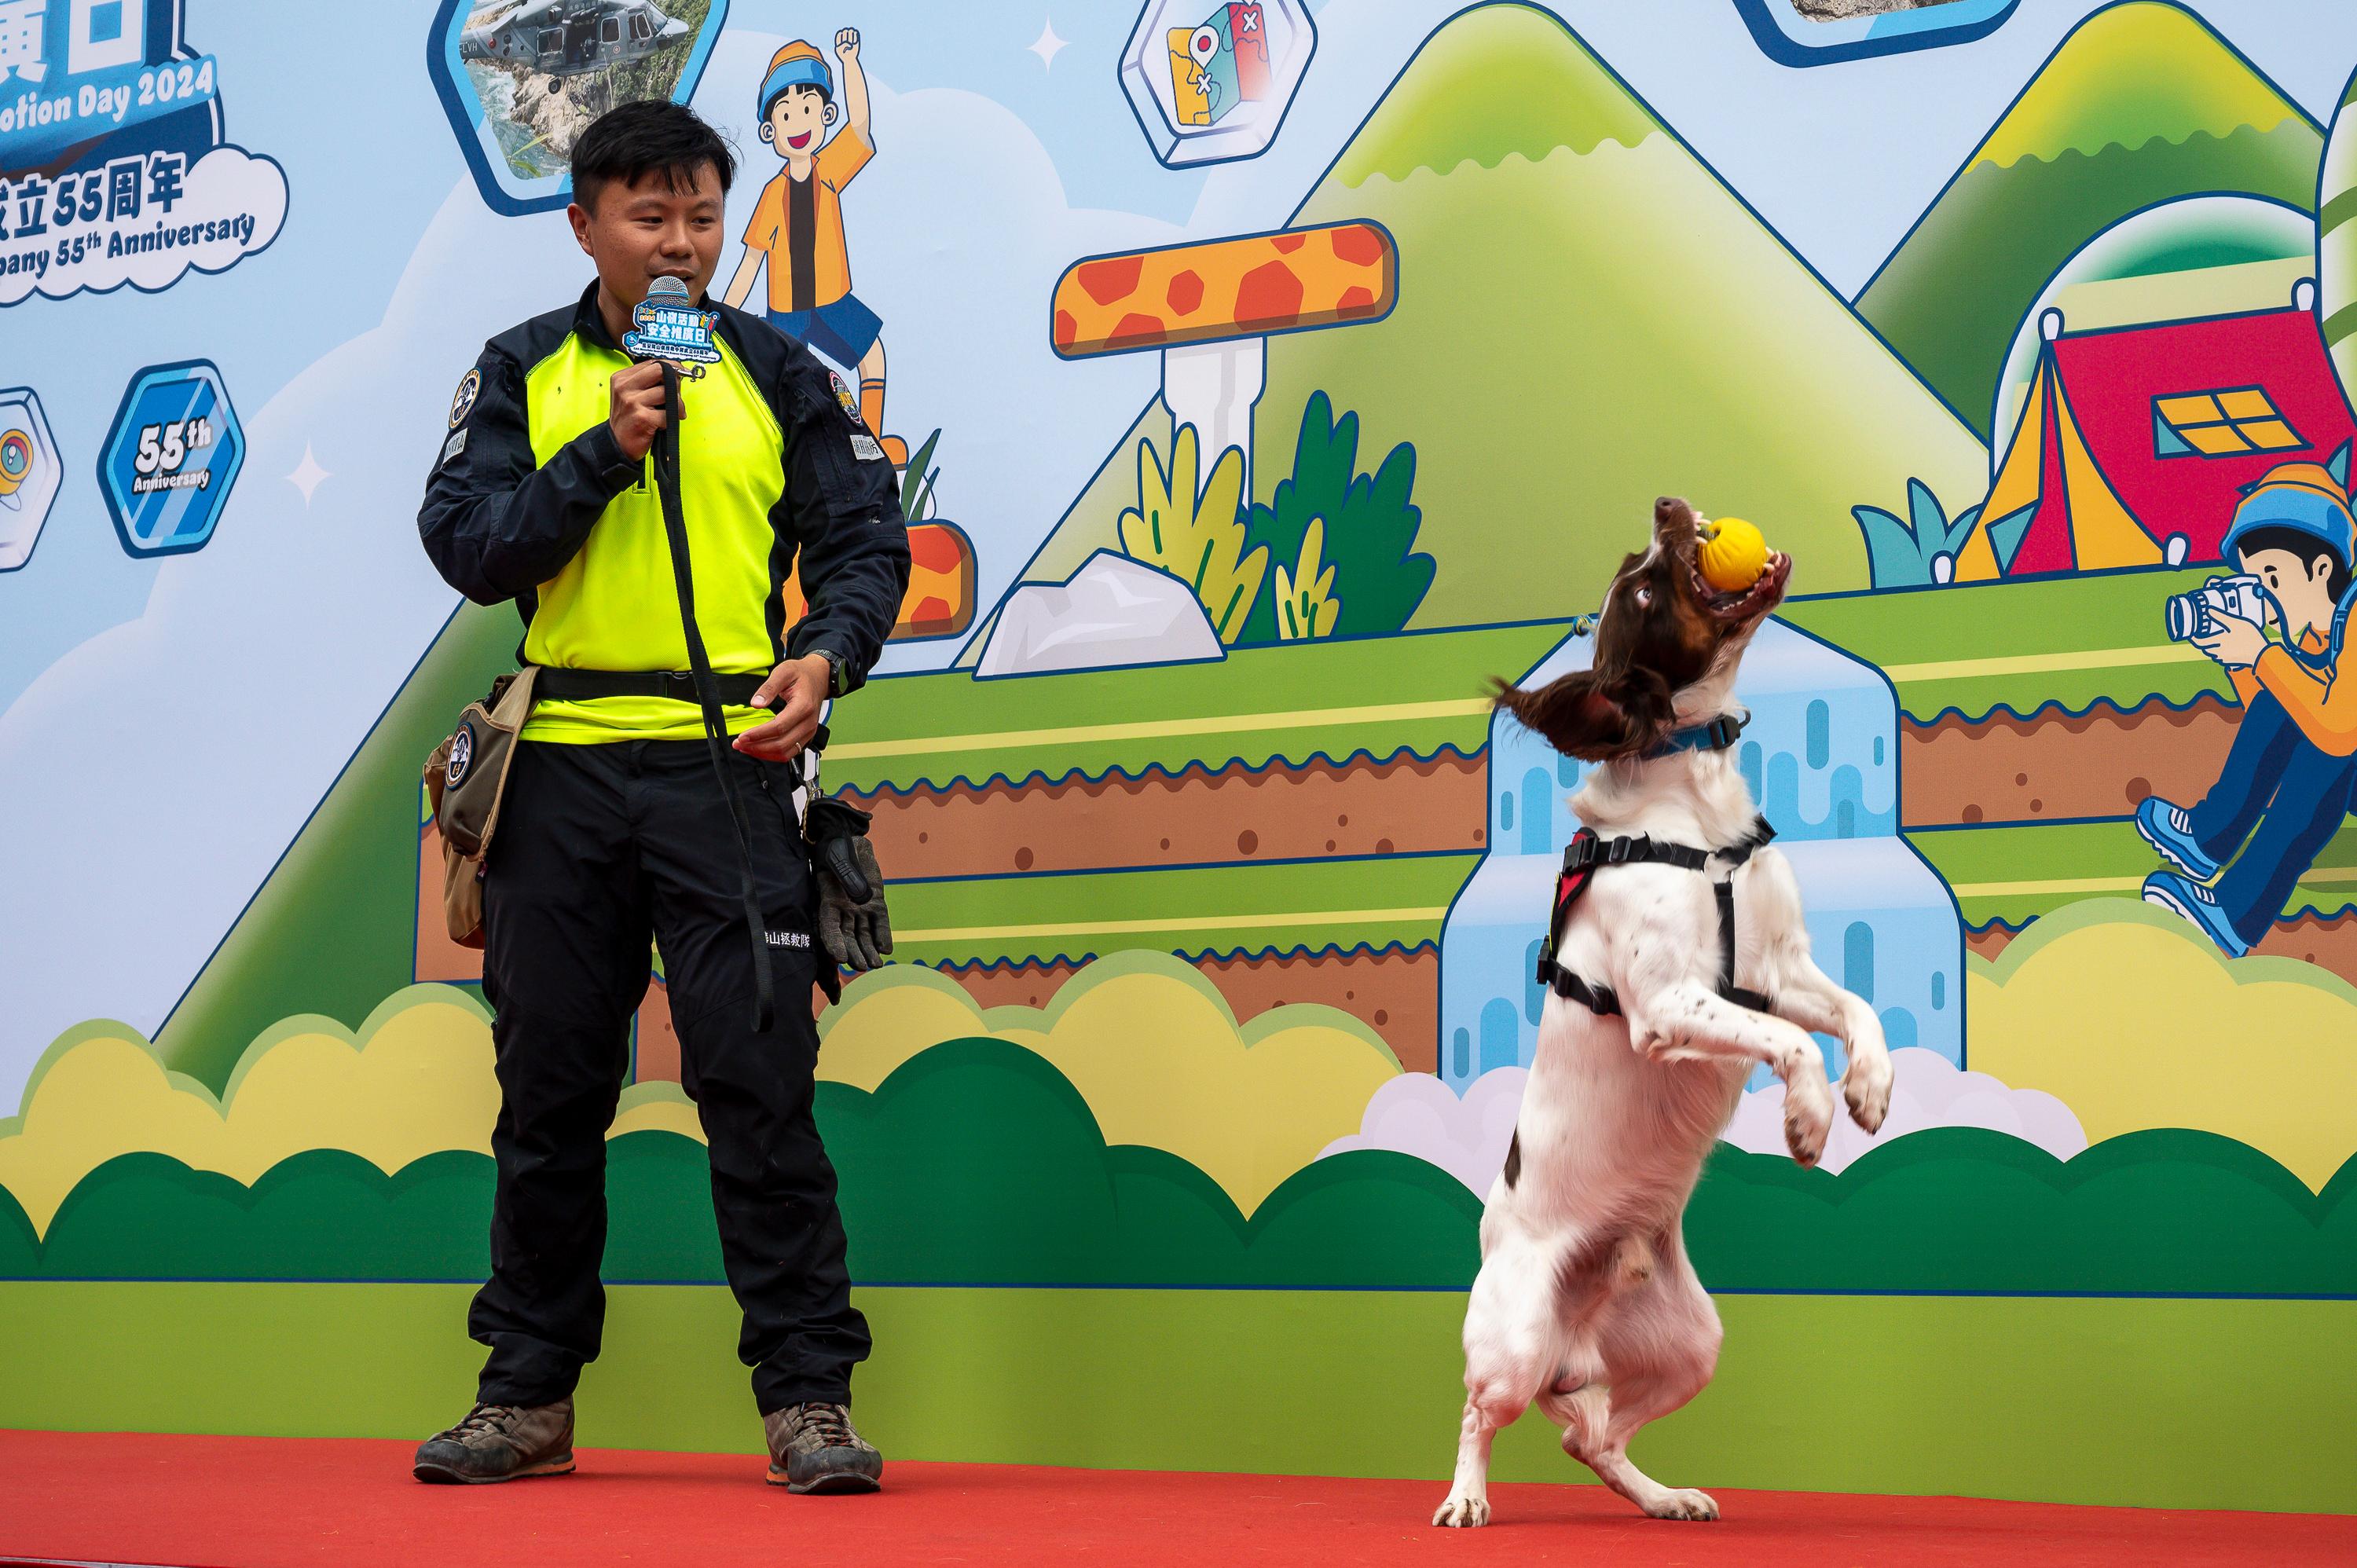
point(497, 527)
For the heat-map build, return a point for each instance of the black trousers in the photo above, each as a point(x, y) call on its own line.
point(599, 848)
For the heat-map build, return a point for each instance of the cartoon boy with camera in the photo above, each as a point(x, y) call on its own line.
point(2288, 778)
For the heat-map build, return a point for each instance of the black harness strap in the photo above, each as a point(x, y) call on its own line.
point(1587, 853)
point(664, 460)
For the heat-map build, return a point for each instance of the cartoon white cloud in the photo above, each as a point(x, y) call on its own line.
point(231, 204)
point(1927, 1091)
point(1416, 1113)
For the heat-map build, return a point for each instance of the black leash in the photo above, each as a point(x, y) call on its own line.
point(664, 456)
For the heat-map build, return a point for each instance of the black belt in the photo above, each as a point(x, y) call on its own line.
point(587, 685)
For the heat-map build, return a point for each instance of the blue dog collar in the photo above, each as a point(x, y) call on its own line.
point(1716, 736)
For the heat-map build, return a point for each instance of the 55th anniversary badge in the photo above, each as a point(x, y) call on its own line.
point(115, 165)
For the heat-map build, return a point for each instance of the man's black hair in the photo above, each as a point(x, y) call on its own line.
point(653, 136)
point(2308, 547)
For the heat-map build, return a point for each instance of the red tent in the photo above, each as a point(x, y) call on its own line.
point(2135, 434)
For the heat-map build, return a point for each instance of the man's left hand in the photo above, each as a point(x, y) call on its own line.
point(2237, 644)
point(802, 682)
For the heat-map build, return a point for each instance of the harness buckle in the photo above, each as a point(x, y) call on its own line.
point(1622, 851)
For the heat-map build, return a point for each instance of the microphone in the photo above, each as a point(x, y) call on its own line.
point(666, 325)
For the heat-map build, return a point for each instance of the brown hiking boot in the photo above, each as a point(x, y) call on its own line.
point(814, 1448)
point(500, 1443)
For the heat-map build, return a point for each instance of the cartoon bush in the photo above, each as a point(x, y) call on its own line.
point(1306, 605)
point(1200, 540)
point(917, 486)
point(1370, 536)
point(1921, 550)
point(976, 1162)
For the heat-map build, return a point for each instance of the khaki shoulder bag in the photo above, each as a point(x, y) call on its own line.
point(465, 778)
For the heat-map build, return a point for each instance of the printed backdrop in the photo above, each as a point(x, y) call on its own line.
point(1264, 378)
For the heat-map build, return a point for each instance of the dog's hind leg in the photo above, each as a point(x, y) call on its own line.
point(1660, 1350)
point(1807, 995)
point(1510, 1351)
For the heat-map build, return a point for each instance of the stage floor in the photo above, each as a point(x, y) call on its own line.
point(224, 1502)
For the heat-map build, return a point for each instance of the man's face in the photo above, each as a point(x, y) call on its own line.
point(639, 233)
point(798, 121)
point(2305, 595)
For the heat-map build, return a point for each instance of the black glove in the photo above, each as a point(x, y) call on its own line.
point(853, 923)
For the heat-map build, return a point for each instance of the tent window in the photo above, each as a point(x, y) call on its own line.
point(2230, 424)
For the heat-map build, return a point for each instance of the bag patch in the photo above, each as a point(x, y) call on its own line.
point(462, 754)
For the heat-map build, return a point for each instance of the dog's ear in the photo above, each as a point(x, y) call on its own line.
point(1595, 717)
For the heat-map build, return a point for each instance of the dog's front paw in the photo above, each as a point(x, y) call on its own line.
point(1867, 1088)
point(1808, 1119)
point(1469, 1513)
point(1684, 1503)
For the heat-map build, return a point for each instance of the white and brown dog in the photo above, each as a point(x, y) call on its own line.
point(1586, 1303)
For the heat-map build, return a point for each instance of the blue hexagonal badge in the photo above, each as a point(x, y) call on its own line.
point(520, 84)
point(30, 475)
point(1791, 35)
point(171, 458)
point(1211, 81)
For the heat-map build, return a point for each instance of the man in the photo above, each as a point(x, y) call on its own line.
point(798, 226)
point(615, 828)
point(2294, 761)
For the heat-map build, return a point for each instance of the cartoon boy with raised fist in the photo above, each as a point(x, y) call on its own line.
point(798, 226)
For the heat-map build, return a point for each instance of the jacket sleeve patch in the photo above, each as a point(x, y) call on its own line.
point(463, 403)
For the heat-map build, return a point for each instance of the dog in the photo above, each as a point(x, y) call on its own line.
point(1586, 1303)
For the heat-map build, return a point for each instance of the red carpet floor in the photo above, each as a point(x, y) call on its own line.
point(218, 1502)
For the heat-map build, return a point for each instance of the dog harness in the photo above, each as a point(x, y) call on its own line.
point(1586, 851)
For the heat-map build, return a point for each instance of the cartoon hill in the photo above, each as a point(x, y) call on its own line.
point(334, 927)
point(2141, 104)
point(1587, 318)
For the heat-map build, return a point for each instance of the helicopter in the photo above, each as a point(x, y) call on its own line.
point(572, 38)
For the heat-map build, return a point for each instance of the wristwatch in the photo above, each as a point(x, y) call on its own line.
point(833, 672)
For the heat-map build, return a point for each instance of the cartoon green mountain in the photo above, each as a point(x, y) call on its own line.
point(1587, 318)
point(333, 929)
point(2141, 104)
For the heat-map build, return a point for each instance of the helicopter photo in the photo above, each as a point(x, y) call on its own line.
point(572, 37)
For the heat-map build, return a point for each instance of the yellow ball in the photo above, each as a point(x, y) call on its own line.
point(1734, 556)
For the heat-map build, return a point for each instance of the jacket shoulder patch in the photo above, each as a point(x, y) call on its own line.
point(463, 404)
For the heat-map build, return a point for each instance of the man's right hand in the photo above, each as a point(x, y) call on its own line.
point(639, 410)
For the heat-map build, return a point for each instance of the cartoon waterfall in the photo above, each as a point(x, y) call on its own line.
point(1821, 754)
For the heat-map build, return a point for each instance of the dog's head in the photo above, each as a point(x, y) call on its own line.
point(1663, 631)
